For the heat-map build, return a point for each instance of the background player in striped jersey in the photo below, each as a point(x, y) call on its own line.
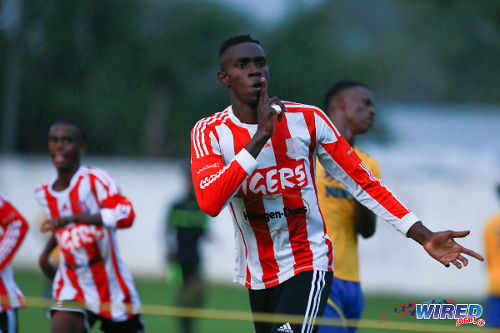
point(492, 246)
point(85, 207)
point(263, 166)
point(350, 106)
point(14, 228)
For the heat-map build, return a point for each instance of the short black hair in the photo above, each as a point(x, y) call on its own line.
point(68, 120)
point(337, 88)
point(498, 190)
point(235, 40)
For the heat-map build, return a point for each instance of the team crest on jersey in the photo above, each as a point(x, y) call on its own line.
point(275, 220)
point(78, 236)
point(270, 181)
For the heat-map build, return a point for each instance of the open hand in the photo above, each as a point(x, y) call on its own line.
point(442, 247)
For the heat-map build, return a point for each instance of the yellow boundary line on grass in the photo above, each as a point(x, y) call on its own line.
point(164, 310)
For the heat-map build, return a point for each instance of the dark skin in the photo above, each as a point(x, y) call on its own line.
point(65, 149)
point(243, 67)
point(245, 73)
point(353, 111)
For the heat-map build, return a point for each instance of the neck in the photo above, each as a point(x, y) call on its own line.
point(246, 113)
point(344, 129)
point(64, 177)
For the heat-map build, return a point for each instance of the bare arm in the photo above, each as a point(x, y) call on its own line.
point(54, 224)
point(442, 246)
point(48, 269)
point(364, 220)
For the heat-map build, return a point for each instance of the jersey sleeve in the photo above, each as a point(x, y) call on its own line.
point(341, 161)
point(116, 210)
point(214, 181)
point(14, 228)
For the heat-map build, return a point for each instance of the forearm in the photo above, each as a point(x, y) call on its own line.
point(256, 144)
point(47, 267)
point(95, 219)
point(364, 220)
point(419, 233)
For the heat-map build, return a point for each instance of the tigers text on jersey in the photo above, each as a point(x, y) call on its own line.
point(337, 206)
point(273, 200)
point(13, 228)
point(90, 269)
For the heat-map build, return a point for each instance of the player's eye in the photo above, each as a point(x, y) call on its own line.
point(240, 65)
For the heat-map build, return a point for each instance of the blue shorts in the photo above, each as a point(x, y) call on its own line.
point(345, 302)
point(492, 312)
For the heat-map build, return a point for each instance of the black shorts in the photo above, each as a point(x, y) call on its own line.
point(304, 294)
point(8, 321)
point(134, 324)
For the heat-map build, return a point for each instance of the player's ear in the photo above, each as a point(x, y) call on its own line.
point(339, 102)
point(224, 79)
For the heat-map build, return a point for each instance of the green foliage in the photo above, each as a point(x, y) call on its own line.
point(140, 74)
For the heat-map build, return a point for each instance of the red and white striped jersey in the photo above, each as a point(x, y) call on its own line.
point(13, 228)
point(90, 269)
point(279, 229)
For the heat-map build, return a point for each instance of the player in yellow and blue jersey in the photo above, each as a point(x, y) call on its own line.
point(492, 245)
point(350, 106)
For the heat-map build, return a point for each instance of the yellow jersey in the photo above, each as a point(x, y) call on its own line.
point(337, 207)
point(492, 245)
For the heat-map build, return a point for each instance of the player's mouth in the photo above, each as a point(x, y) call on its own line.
point(257, 85)
point(59, 158)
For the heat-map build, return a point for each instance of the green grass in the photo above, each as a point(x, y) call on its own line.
point(221, 297)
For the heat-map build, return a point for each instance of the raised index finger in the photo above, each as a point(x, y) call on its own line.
point(263, 90)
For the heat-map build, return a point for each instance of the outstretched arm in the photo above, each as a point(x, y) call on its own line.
point(442, 246)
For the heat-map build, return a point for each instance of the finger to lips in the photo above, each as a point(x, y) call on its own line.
point(263, 90)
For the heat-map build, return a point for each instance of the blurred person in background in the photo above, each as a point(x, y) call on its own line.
point(350, 106)
point(186, 224)
point(492, 246)
point(13, 230)
point(258, 157)
point(85, 207)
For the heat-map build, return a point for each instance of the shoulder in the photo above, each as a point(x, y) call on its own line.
point(40, 189)
point(299, 107)
point(96, 173)
point(211, 121)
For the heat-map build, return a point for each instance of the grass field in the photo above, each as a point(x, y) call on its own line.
point(222, 297)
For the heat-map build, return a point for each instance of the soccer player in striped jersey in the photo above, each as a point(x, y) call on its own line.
point(261, 163)
point(492, 246)
point(14, 228)
point(85, 207)
point(350, 106)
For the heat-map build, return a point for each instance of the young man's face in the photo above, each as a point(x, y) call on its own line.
point(242, 67)
point(359, 109)
point(65, 146)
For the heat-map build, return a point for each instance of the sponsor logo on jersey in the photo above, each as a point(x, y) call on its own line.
point(275, 220)
point(274, 180)
point(78, 236)
point(286, 212)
